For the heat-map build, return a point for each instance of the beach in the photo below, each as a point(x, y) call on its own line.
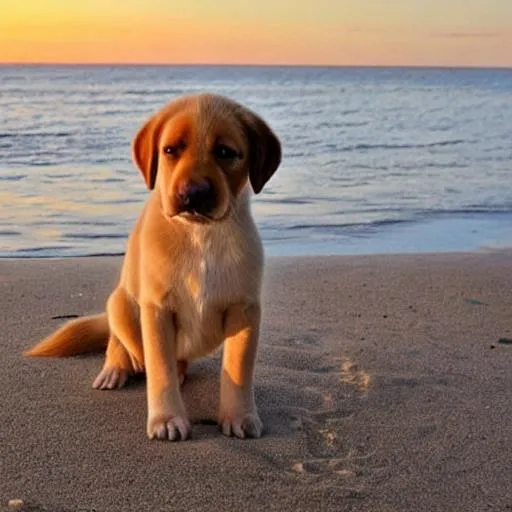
point(384, 383)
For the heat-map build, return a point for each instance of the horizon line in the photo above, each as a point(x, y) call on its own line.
point(253, 65)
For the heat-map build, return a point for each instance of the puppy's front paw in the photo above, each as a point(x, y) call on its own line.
point(242, 425)
point(174, 428)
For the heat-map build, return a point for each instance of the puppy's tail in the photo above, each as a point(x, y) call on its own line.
point(80, 336)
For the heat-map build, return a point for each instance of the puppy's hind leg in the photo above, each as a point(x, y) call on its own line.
point(117, 368)
point(124, 355)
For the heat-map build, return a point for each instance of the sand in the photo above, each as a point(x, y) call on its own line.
point(381, 380)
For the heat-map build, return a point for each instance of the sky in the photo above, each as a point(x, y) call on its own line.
point(275, 32)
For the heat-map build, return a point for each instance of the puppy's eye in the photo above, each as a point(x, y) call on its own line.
point(175, 149)
point(225, 152)
point(172, 150)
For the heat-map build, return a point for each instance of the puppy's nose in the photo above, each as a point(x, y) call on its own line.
point(196, 197)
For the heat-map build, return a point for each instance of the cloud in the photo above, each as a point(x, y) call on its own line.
point(467, 35)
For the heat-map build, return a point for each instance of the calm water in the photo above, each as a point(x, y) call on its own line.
point(375, 160)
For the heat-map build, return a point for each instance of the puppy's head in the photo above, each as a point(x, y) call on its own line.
point(199, 152)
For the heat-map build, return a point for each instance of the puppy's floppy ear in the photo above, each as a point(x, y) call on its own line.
point(264, 150)
point(145, 149)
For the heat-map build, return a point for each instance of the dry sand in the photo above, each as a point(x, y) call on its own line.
point(381, 382)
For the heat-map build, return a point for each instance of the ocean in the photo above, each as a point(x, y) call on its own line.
point(375, 160)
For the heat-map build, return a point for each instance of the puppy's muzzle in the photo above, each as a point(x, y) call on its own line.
point(196, 197)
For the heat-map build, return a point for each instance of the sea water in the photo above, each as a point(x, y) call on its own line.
point(375, 160)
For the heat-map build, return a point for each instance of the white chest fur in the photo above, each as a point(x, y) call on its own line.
point(224, 269)
point(219, 270)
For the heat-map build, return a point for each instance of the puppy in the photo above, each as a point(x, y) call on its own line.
point(192, 273)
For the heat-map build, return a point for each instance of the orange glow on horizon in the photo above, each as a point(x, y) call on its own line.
point(285, 32)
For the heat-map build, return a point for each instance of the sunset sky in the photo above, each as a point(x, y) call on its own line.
point(319, 32)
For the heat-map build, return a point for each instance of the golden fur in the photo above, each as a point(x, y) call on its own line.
point(192, 272)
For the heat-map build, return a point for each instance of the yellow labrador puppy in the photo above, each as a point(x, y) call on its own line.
point(192, 273)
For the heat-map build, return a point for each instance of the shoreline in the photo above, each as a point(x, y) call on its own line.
point(436, 234)
point(274, 257)
point(381, 381)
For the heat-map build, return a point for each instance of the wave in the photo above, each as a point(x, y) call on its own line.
point(15, 177)
point(409, 217)
point(347, 225)
point(26, 254)
point(95, 236)
point(22, 135)
point(50, 177)
point(287, 200)
point(108, 180)
point(472, 209)
point(29, 250)
point(153, 92)
point(347, 124)
point(442, 143)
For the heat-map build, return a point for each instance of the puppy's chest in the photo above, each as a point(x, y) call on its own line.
point(212, 282)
